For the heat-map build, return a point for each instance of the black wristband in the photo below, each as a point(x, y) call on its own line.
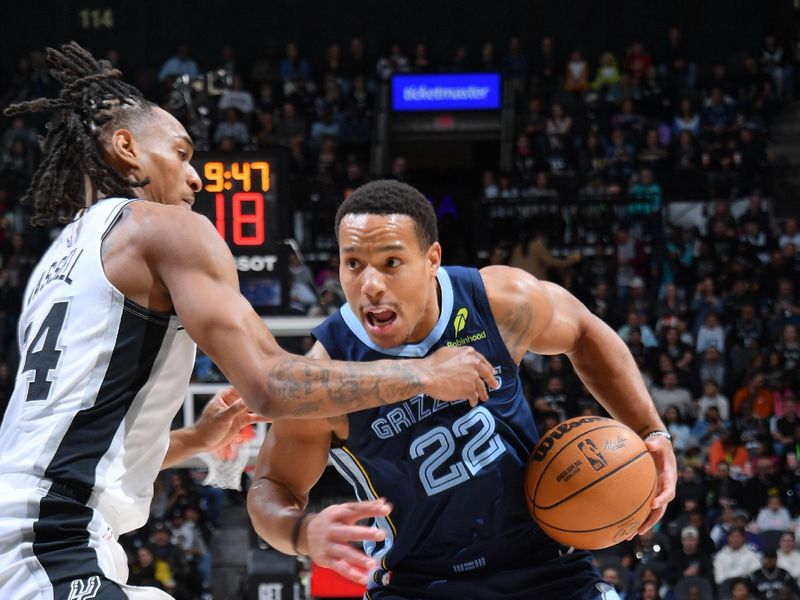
point(296, 533)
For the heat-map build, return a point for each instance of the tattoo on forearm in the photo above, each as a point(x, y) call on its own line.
point(304, 387)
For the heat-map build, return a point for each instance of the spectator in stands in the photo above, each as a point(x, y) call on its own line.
point(576, 77)
point(756, 396)
point(634, 321)
point(680, 353)
point(534, 257)
point(546, 68)
point(164, 550)
point(196, 539)
point(708, 427)
point(232, 128)
point(293, 67)
point(653, 154)
point(770, 579)
point(670, 393)
point(680, 431)
point(735, 559)
point(237, 97)
point(790, 234)
point(607, 78)
point(180, 64)
point(689, 560)
point(620, 159)
point(765, 483)
point(788, 556)
point(719, 116)
point(399, 170)
point(774, 63)
point(630, 122)
point(356, 64)
point(712, 368)
point(706, 301)
point(687, 119)
point(612, 576)
point(728, 448)
point(711, 395)
point(290, 125)
point(487, 61)
point(558, 128)
point(420, 62)
point(147, 571)
point(774, 516)
point(710, 334)
point(325, 125)
point(784, 428)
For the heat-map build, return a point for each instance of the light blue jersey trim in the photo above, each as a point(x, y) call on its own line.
point(408, 350)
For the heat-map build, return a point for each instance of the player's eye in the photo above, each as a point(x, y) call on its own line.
point(352, 264)
point(393, 262)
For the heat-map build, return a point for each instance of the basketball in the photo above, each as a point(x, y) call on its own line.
point(590, 482)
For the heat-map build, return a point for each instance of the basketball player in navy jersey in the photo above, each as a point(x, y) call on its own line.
point(442, 483)
point(107, 334)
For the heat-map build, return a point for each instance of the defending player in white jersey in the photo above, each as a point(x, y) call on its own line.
point(107, 331)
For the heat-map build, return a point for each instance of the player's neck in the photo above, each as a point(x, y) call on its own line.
point(431, 316)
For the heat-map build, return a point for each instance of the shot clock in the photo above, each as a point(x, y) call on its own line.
point(244, 197)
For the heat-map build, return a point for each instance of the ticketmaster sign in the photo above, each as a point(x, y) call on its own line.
point(465, 91)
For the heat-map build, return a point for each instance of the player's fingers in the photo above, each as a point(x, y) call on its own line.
point(229, 395)
point(355, 511)
point(351, 571)
point(239, 407)
point(483, 392)
point(252, 418)
point(356, 533)
point(652, 519)
point(486, 371)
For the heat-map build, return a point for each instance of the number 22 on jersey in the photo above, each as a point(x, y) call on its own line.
point(438, 445)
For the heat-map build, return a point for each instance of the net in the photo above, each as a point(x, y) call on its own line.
point(226, 465)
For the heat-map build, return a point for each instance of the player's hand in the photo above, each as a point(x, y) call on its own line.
point(329, 534)
point(222, 418)
point(667, 476)
point(458, 374)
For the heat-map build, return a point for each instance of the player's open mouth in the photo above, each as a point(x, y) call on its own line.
point(380, 319)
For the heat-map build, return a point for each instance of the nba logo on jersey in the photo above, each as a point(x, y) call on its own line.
point(83, 590)
point(592, 454)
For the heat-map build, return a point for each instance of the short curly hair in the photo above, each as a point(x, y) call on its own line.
point(390, 197)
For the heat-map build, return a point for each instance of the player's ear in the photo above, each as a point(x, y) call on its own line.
point(434, 257)
point(123, 151)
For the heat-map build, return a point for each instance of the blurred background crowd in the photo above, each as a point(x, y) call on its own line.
point(604, 143)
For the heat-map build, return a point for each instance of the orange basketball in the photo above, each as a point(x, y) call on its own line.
point(590, 482)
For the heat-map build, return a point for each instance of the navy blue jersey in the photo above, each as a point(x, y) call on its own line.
point(454, 474)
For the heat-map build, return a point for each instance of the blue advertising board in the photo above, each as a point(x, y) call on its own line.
point(432, 92)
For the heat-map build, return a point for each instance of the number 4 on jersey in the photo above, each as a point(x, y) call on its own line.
point(42, 354)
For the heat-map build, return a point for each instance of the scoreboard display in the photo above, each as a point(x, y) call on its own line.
point(244, 197)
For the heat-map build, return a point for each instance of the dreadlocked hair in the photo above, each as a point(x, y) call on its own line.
point(92, 99)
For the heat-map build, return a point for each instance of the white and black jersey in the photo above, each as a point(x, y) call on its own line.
point(99, 382)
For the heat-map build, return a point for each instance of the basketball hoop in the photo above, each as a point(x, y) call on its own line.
point(226, 465)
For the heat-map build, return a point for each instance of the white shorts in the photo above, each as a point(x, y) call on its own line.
point(55, 548)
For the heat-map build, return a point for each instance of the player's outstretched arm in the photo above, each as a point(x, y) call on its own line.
point(197, 269)
point(291, 461)
point(545, 318)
